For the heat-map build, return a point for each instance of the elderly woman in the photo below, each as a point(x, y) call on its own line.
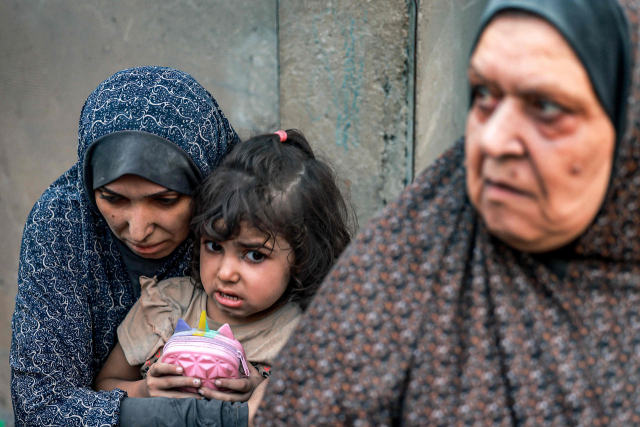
point(503, 287)
point(147, 137)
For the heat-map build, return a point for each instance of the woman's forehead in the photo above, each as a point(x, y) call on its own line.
point(524, 53)
point(130, 185)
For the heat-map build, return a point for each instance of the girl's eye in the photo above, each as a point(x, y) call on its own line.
point(255, 256)
point(483, 99)
point(212, 247)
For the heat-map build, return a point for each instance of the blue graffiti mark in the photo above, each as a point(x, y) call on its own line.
point(346, 96)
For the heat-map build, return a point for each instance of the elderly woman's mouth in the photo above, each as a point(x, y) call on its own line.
point(498, 189)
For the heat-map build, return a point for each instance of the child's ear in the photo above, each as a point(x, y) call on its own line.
point(291, 258)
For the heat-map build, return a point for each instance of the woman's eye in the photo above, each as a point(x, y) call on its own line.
point(212, 247)
point(109, 198)
point(167, 201)
point(483, 98)
point(547, 110)
point(255, 256)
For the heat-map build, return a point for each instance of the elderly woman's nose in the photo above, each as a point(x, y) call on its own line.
point(501, 134)
point(141, 223)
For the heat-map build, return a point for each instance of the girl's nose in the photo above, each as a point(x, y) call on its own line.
point(502, 133)
point(228, 271)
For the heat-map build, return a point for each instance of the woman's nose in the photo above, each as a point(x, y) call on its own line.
point(228, 271)
point(141, 223)
point(502, 133)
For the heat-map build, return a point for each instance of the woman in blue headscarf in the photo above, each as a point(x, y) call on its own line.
point(147, 137)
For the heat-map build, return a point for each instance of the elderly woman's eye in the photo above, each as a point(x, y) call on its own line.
point(483, 98)
point(547, 110)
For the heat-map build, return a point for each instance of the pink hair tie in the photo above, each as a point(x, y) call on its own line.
point(282, 134)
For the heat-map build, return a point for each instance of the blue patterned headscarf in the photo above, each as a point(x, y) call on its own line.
point(73, 287)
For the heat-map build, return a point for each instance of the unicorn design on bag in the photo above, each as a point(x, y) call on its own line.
point(206, 354)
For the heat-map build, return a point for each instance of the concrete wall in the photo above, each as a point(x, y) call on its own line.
point(344, 82)
point(445, 32)
point(347, 79)
point(55, 53)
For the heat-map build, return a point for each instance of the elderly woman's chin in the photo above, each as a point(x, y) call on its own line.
point(529, 228)
point(519, 230)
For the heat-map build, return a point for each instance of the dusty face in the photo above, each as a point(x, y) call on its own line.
point(539, 146)
point(244, 277)
point(150, 219)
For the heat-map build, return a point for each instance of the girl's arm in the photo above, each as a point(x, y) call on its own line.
point(162, 378)
point(117, 373)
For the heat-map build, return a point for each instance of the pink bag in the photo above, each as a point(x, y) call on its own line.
point(206, 354)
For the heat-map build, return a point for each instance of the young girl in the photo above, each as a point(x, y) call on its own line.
point(270, 222)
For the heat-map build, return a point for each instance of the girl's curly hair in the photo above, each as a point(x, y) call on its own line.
point(283, 190)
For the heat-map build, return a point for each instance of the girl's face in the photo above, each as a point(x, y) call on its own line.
point(244, 277)
point(539, 146)
point(149, 218)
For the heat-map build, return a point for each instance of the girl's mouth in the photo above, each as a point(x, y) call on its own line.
point(228, 300)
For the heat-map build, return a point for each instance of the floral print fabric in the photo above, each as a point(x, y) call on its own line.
point(73, 288)
point(429, 320)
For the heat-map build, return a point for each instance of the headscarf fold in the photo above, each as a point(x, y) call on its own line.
point(73, 287)
point(429, 320)
point(143, 154)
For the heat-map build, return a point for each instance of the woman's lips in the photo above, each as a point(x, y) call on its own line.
point(228, 300)
point(147, 249)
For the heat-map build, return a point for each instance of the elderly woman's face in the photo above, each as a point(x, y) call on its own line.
point(539, 146)
point(149, 218)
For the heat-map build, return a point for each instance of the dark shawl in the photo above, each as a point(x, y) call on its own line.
point(428, 320)
point(73, 287)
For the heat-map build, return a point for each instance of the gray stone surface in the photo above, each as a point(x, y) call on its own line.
point(343, 82)
point(445, 32)
point(345, 70)
point(55, 53)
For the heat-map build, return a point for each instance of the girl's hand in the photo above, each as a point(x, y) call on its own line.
point(242, 388)
point(254, 402)
point(164, 378)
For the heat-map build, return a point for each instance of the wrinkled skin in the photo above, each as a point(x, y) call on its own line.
point(539, 145)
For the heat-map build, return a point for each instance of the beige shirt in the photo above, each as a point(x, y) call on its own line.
point(152, 320)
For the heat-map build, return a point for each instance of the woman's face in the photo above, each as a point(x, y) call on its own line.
point(539, 146)
point(149, 218)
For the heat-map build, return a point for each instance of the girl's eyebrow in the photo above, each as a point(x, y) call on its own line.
point(160, 193)
point(257, 244)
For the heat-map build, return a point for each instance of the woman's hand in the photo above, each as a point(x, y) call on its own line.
point(163, 379)
point(242, 388)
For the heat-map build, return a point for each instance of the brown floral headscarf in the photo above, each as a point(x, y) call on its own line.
point(429, 320)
